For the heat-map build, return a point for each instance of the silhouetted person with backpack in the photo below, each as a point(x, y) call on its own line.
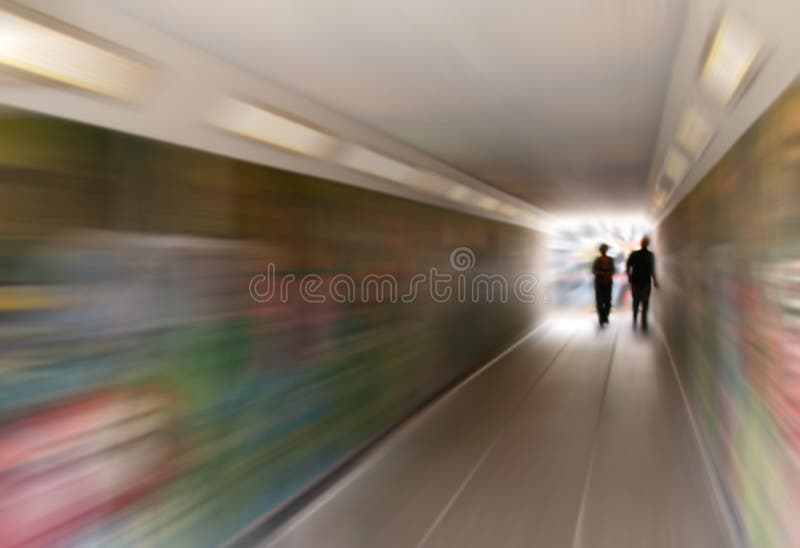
point(603, 270)
point(641, 267)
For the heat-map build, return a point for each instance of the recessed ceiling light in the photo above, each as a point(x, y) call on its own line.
point(56, 55)
point(248, 120)
point(676, 165)
point(459, 192)
point(436, 184)
point(487, 202)
point(734, 49)
point(505, 209)
point(694, 132)
point(372, 163)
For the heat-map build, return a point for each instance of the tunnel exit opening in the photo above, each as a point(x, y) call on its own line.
point(571, 249)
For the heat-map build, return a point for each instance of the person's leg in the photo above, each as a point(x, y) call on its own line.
point(645, 298)
point(635, 293)
point(598, 299)
point(606, 303)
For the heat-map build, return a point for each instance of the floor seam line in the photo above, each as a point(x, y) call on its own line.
point(297, 521)
point(450, 503)
point(577, 535)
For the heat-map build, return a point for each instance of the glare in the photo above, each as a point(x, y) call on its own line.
point(734, 50)
point(248, 120)
point(487, 202)
point(435, 183)
point(676, 165)
point(574, 245)
point(694, 131)
point(47, 53)
point(372, 163)
point(460, 193)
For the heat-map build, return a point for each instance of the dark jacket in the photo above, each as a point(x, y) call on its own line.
point(641, 266)
point(603, 269)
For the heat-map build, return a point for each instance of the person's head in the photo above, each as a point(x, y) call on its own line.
point(645, 242)
point(603, 249)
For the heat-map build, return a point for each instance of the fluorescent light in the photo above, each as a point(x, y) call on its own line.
point(250, 121)
point(487, 202)
point(496, 206)
point(438, 184)
point(48, 53)
point(442, 186)
point(459, 193)
point(372, 163)
point(734, 50)
point(676, 165)
point(509, 211)
point(694, 132)
point(435, 183)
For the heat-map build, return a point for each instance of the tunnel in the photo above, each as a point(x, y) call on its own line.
point(430, 273)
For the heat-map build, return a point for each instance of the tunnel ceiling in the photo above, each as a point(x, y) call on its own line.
point(559, 105)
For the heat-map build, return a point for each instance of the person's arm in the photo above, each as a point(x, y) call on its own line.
point(628, 266)
point(594, 267)
point(653, 270)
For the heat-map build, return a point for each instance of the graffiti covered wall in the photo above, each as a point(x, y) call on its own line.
point(145, 396)
point(730, 263)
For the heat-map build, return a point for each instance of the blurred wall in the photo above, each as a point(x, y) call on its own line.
point(730, 275)
point(145, 397)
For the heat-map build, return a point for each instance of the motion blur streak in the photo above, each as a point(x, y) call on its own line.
point(56, 55)
point(222, 230)
point(732, 315)
point(144, 397)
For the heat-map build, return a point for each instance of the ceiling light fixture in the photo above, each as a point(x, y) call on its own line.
point(734, 49)
point(676, 165)
point(695, 132)
point(369, 162)
point(459, 193)
point(660, 199)
point(487, 202)
point(509, 211)
point(39, 50)
point(437, 184)
point(248, 120)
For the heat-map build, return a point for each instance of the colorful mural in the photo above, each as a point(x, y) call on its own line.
point(145, 397)
point(730, 263)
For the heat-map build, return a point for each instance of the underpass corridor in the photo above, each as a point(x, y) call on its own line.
point(315, 274)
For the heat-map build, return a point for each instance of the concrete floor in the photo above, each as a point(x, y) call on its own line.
point(575, 438)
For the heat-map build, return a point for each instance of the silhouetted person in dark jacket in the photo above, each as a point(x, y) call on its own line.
point(641, 267)
point(603, 270)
